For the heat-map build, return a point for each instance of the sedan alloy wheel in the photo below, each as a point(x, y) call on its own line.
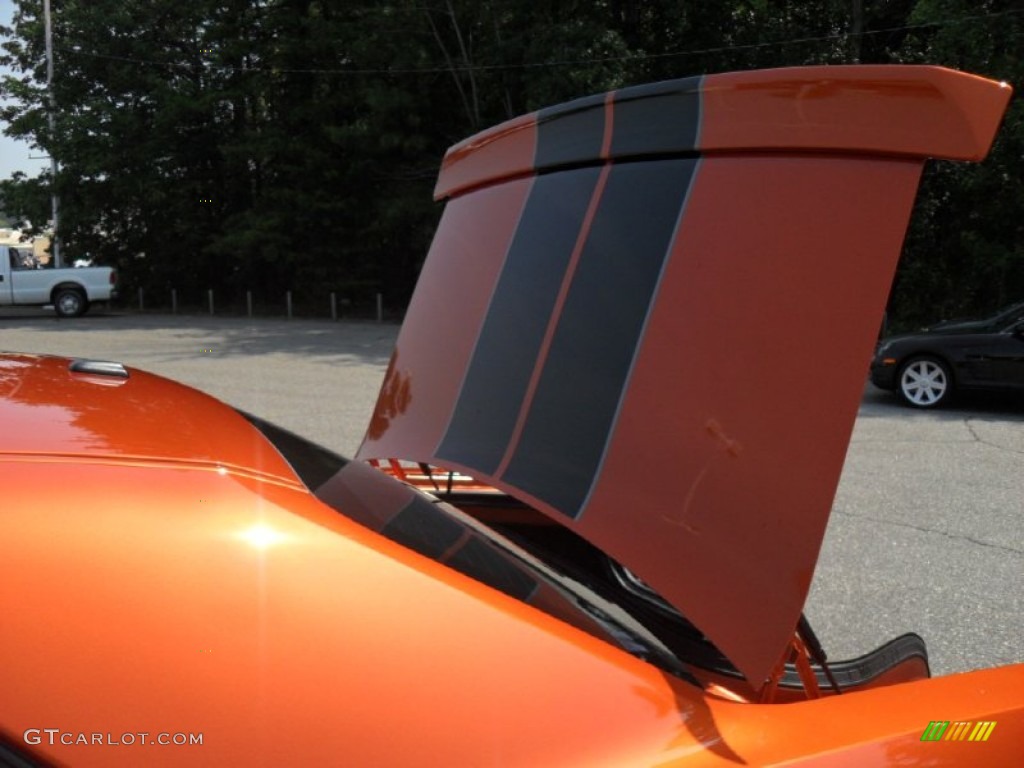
point(925, 382)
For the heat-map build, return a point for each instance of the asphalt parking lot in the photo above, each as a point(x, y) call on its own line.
point(927, 532)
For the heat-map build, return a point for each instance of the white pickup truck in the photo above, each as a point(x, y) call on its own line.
point(24, 281)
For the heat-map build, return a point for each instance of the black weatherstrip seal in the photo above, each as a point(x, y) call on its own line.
point(14, 754)
point(423, 528)
point(499, 372)
point(592, 352)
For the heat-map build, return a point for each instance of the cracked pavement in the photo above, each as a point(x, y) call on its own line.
point(926, 535)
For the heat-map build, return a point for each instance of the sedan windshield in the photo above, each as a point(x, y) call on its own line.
point(1007, 316)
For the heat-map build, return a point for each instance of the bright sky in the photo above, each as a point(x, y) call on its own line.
point(14, 155)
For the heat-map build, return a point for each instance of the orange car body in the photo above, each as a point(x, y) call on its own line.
point(166, 573)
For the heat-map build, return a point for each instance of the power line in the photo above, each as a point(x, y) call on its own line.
point(545, 64)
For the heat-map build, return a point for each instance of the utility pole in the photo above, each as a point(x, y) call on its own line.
point(55, 203)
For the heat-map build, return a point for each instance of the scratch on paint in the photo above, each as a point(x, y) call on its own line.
point(732, 447)
point(726, 445)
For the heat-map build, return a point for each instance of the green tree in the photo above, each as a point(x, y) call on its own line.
point(271, 145)
point(965, 249)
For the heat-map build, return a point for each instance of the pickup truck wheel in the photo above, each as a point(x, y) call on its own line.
point(70, 302)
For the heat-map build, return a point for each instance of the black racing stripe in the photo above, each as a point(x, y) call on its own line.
point(571, 133)
point(591, 354)
point(499, 372)
point(657, 119)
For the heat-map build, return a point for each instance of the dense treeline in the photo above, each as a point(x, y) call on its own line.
point(293, 144)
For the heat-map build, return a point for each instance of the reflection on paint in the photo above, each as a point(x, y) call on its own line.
point(262, 537)
point(395, 396)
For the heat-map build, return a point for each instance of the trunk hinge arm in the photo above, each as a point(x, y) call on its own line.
point(803, 649)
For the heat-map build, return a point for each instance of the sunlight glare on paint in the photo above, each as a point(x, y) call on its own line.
point(262, 536)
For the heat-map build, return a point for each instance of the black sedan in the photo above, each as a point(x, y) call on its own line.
point(926, 368)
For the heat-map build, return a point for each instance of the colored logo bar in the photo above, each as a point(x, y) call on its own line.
point(944, 730)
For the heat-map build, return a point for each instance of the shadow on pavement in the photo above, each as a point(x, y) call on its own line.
point(220, 336)
point(992, 406)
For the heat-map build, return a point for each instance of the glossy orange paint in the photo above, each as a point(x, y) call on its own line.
point(912, 111)
point(512, 144)
point(900, 110)
point(161, 590)
point(163, 569)
point(146, 599)
point(167, 597)
point(51, 413)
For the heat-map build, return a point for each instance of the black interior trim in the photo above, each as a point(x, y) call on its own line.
point(314, 464)
point(863, 669)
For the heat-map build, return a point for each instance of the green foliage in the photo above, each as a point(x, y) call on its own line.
point(269, 145)
point(965, 250)
point(25, 202)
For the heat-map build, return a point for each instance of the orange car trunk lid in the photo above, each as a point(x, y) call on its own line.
point(649, 314)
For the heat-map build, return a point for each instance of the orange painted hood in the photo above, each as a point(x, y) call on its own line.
point(649, 314)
